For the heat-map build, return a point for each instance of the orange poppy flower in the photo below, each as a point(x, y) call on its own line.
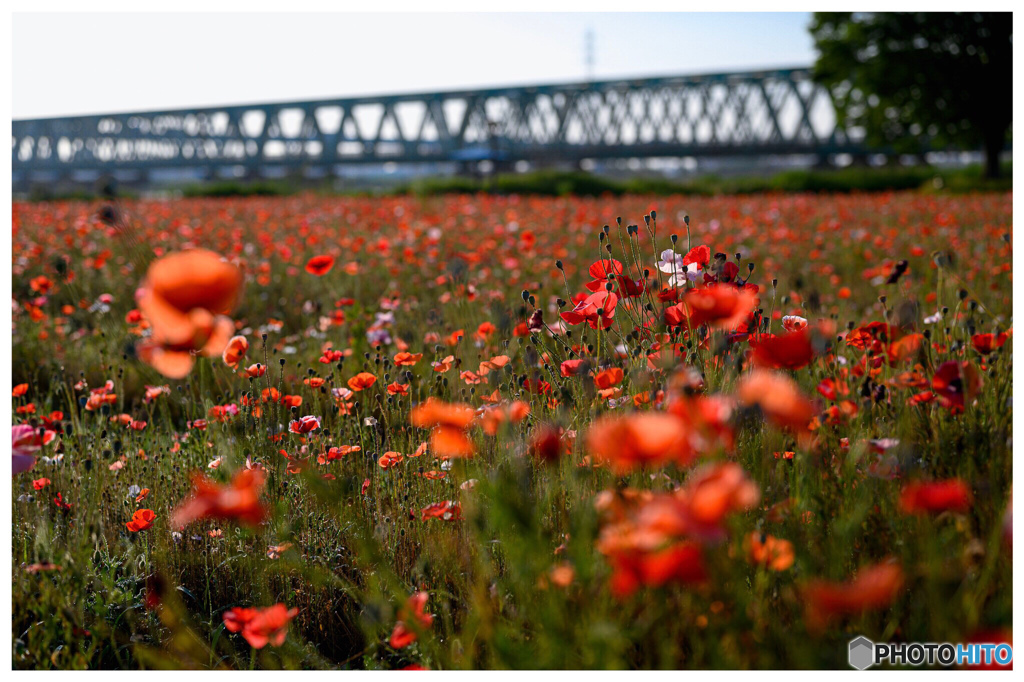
point(362, 381)
point(407, 359)
point(390, 459)
point(444, 365)
point(773, 553)
point(398, 389)
point(497, 362)
point(608, 377)
point(236, 349)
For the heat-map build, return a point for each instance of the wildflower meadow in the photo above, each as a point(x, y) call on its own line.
point(488, 432)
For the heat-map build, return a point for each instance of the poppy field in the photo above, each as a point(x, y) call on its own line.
point(497, 432)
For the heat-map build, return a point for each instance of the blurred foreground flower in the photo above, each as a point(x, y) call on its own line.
point(874, 588)
point(260, 627)
point(413, 611)
point(237, 501)
point(186, 298)
point(448, 424)
point(26, 441)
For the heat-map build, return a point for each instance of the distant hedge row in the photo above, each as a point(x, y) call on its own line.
point(553, 183)
point(578, 183)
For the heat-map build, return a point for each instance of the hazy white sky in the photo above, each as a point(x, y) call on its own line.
point(90, 63)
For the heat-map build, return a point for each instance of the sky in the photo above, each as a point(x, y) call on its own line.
point(67, 64)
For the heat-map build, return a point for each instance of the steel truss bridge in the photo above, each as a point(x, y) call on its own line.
point(758, 113)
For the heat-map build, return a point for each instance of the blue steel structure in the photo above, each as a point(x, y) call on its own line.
point(757, 113)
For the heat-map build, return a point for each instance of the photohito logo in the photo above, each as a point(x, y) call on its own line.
point(863, 653)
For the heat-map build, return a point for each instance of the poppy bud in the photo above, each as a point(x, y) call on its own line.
point(526, 295)
point(647, 220)
point(963, 294)
point(654, 215)
point(686, 219)
point(675, 238)
point(558, 264)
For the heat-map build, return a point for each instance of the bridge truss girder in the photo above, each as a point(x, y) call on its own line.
point(778, 112)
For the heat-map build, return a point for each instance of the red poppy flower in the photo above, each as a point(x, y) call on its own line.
point(719, 306)
point(955, 382)
point(319, 265)
point(570, 368)
point(791, 350)
point(600, 270)
point(986, 343)
point(446, 511)
point(304, 425)
point(141, 520)
point(597, 310)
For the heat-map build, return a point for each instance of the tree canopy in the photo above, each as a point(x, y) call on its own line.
point(921, 80)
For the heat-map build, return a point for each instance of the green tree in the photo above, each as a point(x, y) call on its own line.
point(920, 80)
